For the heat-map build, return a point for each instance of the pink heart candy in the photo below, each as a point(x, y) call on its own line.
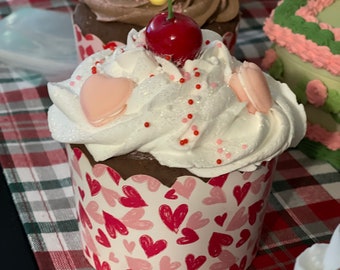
point(103, 98)
point(250, 86)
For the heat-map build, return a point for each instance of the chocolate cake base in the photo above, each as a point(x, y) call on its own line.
point(117, 31)
point(140, 163)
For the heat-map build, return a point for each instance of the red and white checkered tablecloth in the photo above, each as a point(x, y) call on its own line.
point(304, 205)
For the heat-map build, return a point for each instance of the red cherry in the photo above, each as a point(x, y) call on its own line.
point(178, 38)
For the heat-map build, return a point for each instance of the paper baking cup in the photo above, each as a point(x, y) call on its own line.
point(139, 223)
point(90, 44)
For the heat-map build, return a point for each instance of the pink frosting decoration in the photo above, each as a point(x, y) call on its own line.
point(318, 134)
point(310, 11)
point(103, 98)
point(270, 57)
point(307, 50)
point(316, 93)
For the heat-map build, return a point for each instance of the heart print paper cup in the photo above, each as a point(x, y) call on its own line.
point(139, 223)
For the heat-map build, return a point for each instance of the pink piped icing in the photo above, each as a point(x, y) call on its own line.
point(316, 93)
point(310, 11)
point(307, 50)
point(318, 134)
point(269, 58)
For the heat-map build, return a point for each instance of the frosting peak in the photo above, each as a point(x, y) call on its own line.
point(140, 12)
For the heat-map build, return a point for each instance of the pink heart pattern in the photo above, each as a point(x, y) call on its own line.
point(166, 264)
point(216, 196)
point(196, 221)
point(138, 223)
point(186, 188)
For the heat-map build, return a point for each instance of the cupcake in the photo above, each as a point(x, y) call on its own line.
point(102, 24)
point(172, 166)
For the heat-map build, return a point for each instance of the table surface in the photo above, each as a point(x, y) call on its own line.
point(304, 206)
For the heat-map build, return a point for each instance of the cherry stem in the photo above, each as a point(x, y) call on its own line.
point(170, 11)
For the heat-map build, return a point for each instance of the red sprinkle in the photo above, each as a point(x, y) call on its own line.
point(182, 80)
point(94, 70)
point(219, 161)
point(198, 86)
point(196, 132)
point(207, 42)
point(151, 75)
point(183, 141)
point(110, 45)
point(146, 124)
point(190, 101)
point(189, 116)
point(197, 74)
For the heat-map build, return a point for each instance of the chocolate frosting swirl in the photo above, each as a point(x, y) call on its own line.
point(139, 12)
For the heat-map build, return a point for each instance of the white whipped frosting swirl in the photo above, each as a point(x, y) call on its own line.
point(218, 132)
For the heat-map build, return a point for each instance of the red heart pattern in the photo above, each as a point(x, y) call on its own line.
point(171, 194)
point(102, 239)
point(241, 192)
point(220, 219)
point(138, 223)
point(173, 219)
point(84, 218)
point(190, 236)
point(150, 247)
point(133, 198)
point(217, 241)
point(114, 225)
point(100, 265)
point(219, 180)
point(244, 234)
point(81, 193)
point(94, 185)
point(254, 209)
point(194, 263)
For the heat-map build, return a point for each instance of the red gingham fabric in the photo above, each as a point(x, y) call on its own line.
point(304, 203)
